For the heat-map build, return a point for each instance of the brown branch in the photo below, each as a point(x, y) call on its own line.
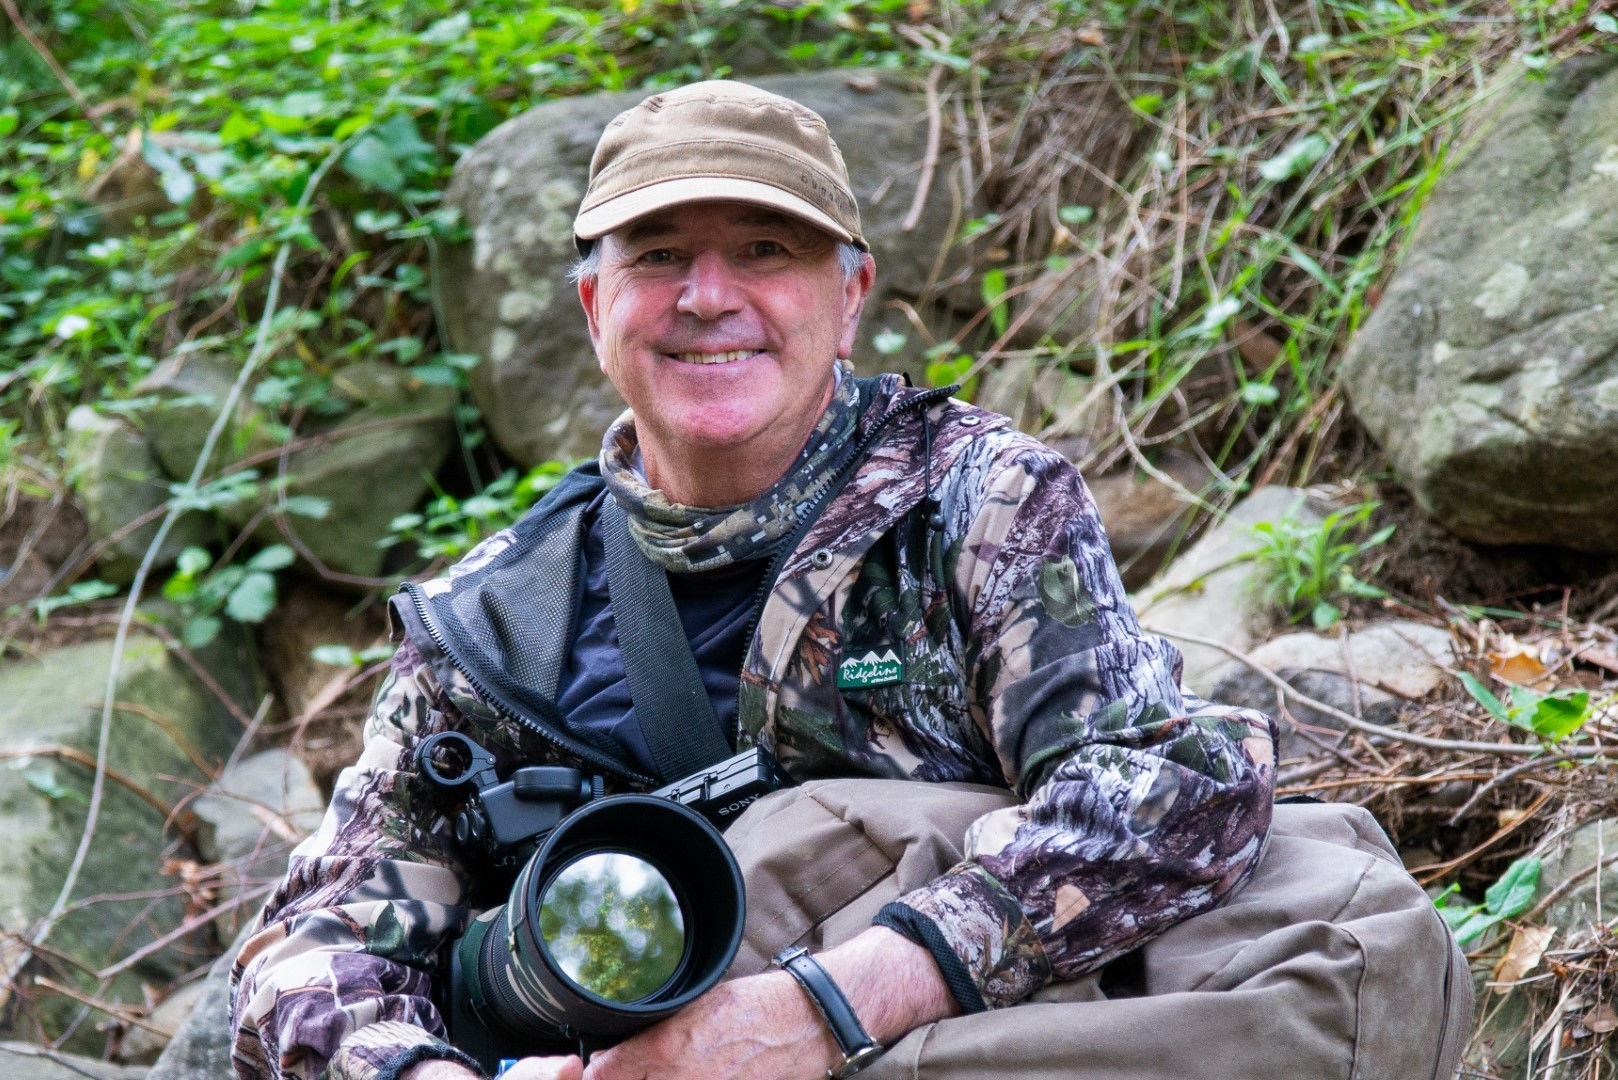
point(79, 757)
point(1461, 745)
point(61, 74)
point(935, 131)
point(1433, 871)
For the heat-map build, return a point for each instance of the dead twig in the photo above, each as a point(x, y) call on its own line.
point(1462, 745)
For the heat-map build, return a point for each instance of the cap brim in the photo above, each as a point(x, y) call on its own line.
point(619, 211)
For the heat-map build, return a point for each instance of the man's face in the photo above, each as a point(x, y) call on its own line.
point(720, 324)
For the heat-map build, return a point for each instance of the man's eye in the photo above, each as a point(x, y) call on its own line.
point(657, 256)
point(766, 249)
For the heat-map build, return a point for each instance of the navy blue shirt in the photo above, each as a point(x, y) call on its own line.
point(715, 607)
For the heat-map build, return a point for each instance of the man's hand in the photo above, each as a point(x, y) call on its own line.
point(532, 1068)
point(765, 1028)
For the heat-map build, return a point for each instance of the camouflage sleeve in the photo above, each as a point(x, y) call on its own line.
point(335, 981)
point(1142, 805)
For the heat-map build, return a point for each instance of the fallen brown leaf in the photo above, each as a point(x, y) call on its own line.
point(1527, 946)
point(1516, 665)
point(1600, 1019)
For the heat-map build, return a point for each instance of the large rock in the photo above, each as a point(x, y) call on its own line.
point(119, 482)
point(248, 821)
point(508, 300)
point(371, 466)
point(376, 464)
point(1212, 591)
point(200, 1050)
point(1489, 371)
point(1145, 517)
point(26, 1061)
point(49, 717)
point(1373, 674)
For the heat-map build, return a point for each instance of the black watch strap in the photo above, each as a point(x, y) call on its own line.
point(858, 1048)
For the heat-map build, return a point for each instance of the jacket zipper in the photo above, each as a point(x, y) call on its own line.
point(500, 705)
point(827, 493)
point(766, 586)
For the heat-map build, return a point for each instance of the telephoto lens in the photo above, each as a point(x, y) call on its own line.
point(631, 908)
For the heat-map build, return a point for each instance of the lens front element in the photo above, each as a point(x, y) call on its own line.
point(612, 925)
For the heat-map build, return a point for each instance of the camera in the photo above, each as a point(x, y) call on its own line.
point(624, 909)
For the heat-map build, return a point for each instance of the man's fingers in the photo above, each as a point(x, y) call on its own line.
point(545, 1068)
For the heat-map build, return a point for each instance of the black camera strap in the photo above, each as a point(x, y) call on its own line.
point(671, 704)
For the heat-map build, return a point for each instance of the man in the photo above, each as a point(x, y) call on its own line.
point(725, 277)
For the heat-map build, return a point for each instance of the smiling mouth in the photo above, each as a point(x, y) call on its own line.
point(713, 358)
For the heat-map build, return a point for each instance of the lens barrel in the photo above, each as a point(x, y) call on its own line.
point(506, 978)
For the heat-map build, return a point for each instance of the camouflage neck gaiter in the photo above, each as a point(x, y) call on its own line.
point(683, 539)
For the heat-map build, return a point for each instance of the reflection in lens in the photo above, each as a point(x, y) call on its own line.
point(612, 925)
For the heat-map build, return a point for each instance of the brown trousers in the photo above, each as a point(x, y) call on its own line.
point(1330, 962)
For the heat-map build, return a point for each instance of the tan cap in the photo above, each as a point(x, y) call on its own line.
point(717, 140)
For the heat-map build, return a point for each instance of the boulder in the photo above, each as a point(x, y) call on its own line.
point(376, 464)
point(142, 1043)
point(26, 1061)
point(164, 731)
point(1371, 673)
point(37, 536)
point(305, 618)
point(1145, 517)
point(371, 466)
point(1489, 370)
point(183, 397)
point(248, 822)
point(119, 481)
point(507, 298)
point(200, 1050)
point(1212, 590)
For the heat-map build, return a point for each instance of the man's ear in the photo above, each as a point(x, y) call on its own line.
point(855, 290)
point(589, 292)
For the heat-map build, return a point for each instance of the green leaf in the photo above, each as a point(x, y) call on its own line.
point(1603, 22)
point(274, 557)
point(193, 561)
point(1298, 156)
point(309, 506)
point(1148, 103)
point(252, 600)
point(200, 631)
point(8, 121)
point(238, 128)
point(178, 186)
point(336, 655)
point(43, 780)
point(1482, 695)
point(1258, 393)
point(994, 288)
point(1474, 926)
point(888, 342)
point(1557, 717)
point(447, 31)
point(1514, 893)
point(398, 133)
point(1075, 215)
point(370, 162)
point(1325, 615)
point(370, 221)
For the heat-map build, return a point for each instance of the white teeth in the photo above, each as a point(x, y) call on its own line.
point(712, 358)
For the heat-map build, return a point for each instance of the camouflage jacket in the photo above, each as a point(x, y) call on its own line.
point(952, 617)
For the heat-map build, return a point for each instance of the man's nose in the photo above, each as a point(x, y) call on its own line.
point(710, 290)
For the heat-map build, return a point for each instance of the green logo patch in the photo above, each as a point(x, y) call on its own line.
point(871, 668)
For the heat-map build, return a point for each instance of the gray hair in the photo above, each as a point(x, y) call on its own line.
point(849, 260)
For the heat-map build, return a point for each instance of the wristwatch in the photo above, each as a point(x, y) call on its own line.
point(858, 1048)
